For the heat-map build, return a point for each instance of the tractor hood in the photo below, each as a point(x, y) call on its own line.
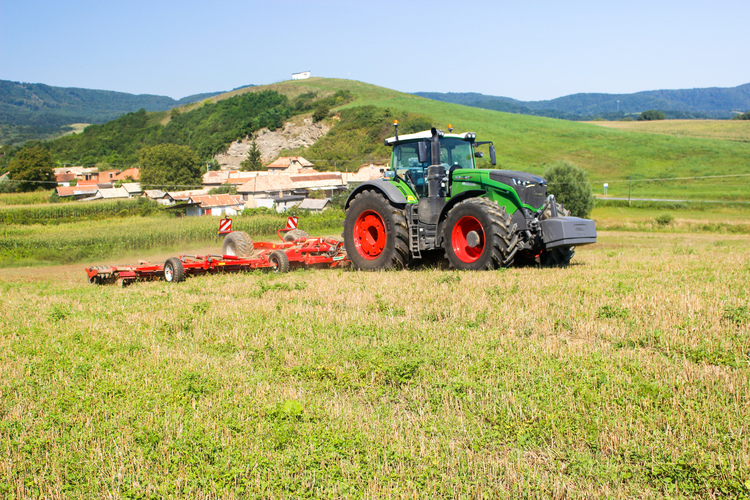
point(531, 188)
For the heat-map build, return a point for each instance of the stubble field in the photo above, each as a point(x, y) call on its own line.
point(625, 375)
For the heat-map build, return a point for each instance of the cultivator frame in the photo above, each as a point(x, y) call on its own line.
point(277, 257)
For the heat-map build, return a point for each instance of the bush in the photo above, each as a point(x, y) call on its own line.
point(651, 114)
point(664, 219)
point(321, 112)
point(571, 187)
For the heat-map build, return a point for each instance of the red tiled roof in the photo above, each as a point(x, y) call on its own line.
point(285, 161)
point(322, 176)
point(218, 200)
point(76, 190)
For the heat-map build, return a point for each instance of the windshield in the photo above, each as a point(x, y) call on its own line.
point(406, 161)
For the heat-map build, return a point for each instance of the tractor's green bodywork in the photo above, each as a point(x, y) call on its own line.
point(431, 175)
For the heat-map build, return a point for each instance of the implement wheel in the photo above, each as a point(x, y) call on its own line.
point(375, 233)
point(295, 234)
point(280, 261)
point(478, 234)
point(238, 244)
point(174, 272)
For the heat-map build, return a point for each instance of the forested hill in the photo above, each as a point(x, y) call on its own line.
point(42, 105)
point(34, 110)
point(688, 103)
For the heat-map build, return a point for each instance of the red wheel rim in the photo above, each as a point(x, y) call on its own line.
point(369, 234)
point(460, 235)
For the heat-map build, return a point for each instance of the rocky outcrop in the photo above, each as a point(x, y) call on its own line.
point(271, 143)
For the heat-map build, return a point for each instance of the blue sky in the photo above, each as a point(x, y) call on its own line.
point(528, 50)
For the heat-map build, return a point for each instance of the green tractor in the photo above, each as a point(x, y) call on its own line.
point(433, 197)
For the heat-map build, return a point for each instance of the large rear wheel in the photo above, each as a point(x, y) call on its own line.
point(478, 234)
point(375, 233)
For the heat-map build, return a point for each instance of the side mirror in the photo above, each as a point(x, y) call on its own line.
point(493, 158)
point(423, 152)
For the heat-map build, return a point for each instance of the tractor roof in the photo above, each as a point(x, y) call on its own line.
point(427, 134)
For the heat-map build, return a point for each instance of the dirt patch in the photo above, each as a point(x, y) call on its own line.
point(271, 143)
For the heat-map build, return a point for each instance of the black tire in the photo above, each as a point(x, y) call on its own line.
point(478, 234)
point(375, 233)
point(295, 234)
point(238, 244)
point(280, 261)
point(556, 257)
point(173, 270)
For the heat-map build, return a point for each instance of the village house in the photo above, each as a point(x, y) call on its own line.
point(290, 165)
point(184, 196)
point(78, 192)
point(161, 197)
point(220, 204)
point(315, 205)
point(132, 174)
point(279, 186)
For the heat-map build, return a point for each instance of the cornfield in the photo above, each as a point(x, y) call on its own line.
point(92, 240)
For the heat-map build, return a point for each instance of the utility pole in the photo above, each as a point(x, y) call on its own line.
point(630, 184)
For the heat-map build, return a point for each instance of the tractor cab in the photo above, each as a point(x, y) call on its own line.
point(412, 156)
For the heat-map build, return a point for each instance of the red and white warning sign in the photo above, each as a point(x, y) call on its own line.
point(225, 226)
point(291, 223)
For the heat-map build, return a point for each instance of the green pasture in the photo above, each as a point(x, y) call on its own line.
point(625, 375)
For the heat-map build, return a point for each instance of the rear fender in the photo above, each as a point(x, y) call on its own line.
point(382, 186)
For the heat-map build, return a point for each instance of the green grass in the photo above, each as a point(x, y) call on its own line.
point(622, 376)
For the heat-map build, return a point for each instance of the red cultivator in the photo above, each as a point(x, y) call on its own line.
point(239, 253)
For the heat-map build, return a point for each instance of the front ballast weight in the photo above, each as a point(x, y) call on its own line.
point(239, 253)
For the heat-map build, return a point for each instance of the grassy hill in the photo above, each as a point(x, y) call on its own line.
point(684, 103)
point(530, 143)
point(523, 142)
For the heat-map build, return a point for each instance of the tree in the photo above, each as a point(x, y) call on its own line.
point(320, 112)
point(651, 114)
point(253, 160)
point(32, 169)
point(169, 166)
point(742, 116)
point(571, 187)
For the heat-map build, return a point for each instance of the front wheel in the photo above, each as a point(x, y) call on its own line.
point(375, 233)
point(556, 257)
point(478, 234)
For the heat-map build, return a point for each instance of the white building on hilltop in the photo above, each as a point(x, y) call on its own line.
point(301, 76)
